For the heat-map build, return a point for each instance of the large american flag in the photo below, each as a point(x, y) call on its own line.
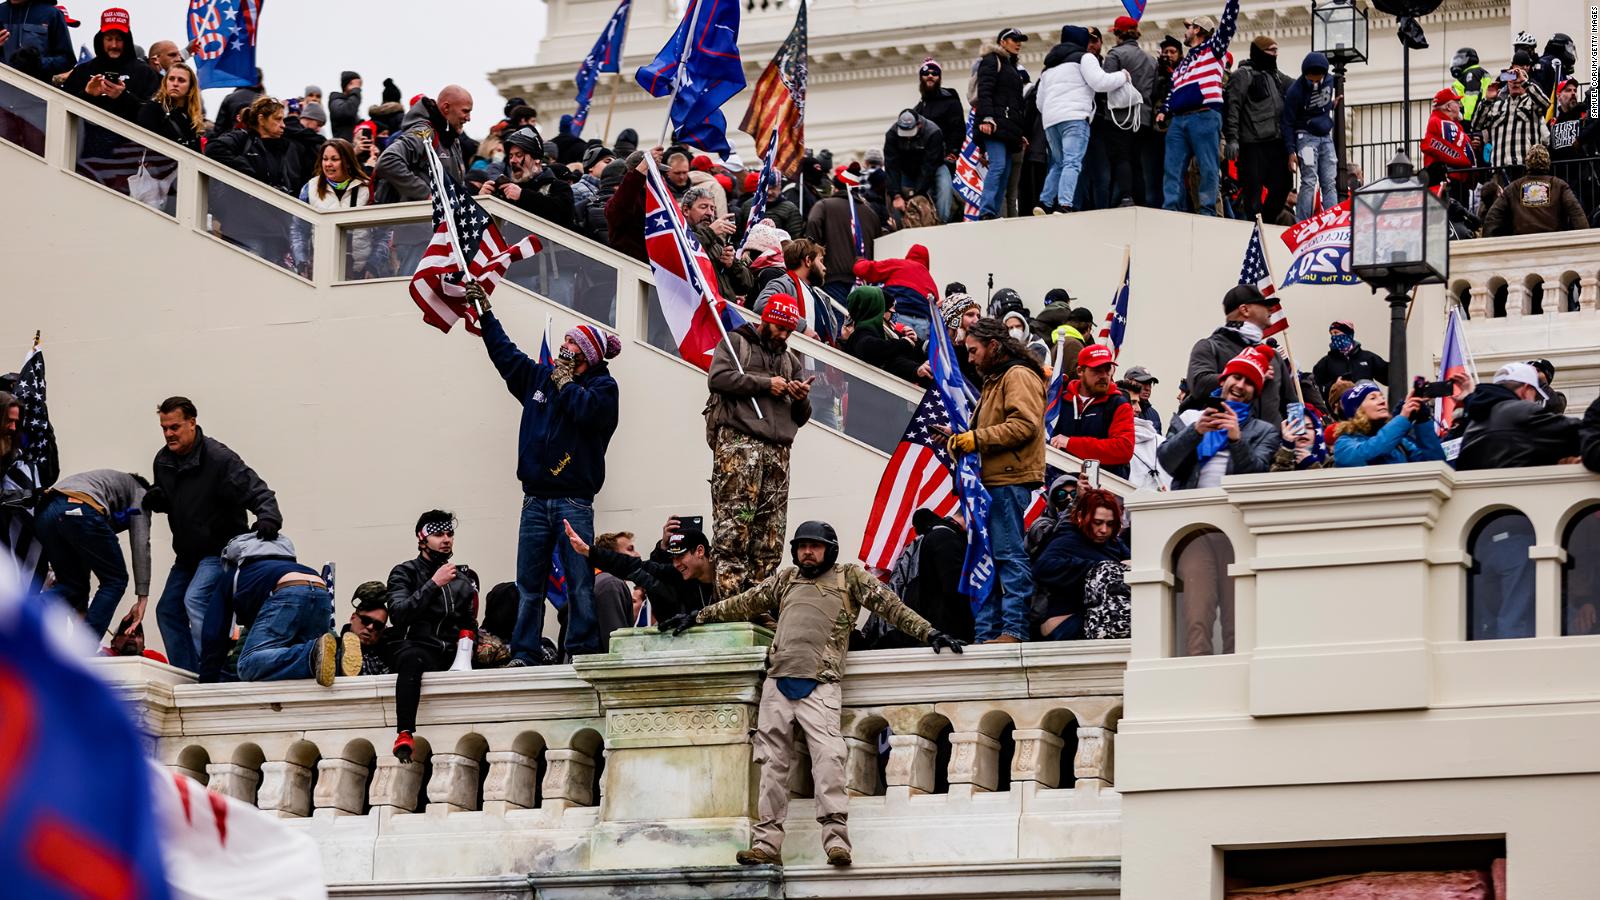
point(437, 285)
point(110, 159)
point(918, 476)
point(1254, 271)
point(970, 171)
point(1116, 326)
point(778, 104)
point(36, 467)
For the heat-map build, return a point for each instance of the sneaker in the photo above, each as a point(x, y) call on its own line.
point(756, 856)
point(403, 746)
point(1004, 639)
point(1041, 210)
point(517, 664)
point(838, 856)
point(324, 657)
point(349, 655)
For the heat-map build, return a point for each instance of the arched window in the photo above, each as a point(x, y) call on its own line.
point(1580, 575)
point(1500, 585)
point(1202, 613)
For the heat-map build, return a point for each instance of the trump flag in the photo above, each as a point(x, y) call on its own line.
point(226, 30)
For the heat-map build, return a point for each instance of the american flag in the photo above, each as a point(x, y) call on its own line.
point(855, 223)
point(970, 171)
point(437, 285)
point(555, 585)
point(36, 467)
point(107, 158)
point(918, 476)
point(778, 104)
point(1117, 317)
point(767, 180)
point(1254, 271)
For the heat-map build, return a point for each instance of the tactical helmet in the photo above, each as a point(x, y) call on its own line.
point(821, 533)
point(1464, 59)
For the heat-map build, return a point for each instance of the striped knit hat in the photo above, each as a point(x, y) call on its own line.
point(594, 344)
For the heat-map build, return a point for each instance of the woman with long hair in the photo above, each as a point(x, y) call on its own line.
point(340, 183)
point(175, 112)
point(257, 149)
point(1080, 570)
point(1371, 435)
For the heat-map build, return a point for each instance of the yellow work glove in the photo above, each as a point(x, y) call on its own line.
point(962, 444)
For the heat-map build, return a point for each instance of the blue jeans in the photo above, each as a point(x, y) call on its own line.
point(540, 534)
point(278, 645)
point(1503, 588)
point(1319, 166)
point(1005, 611)
point(944, 193)
point(181, 611)
point(1196, 135)
point(1068, 142)
point(917, 321)
point(997, 178)
point(78, 542)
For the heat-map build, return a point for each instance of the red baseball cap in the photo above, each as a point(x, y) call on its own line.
point(1125, 23)
point(115, 19)
point(71, 22)
point(1445, 96)
point(1093, 356)
point(782, 310)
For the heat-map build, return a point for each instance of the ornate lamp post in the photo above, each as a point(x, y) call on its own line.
point(1339, 32)
point(1400, 234)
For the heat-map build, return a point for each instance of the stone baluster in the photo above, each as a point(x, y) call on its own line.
point(453, 786)
point(1093, 763)
point(238, 782)
point(1589, 292)
point(861, 766)
point(974, 762)
point(1478, 303)
point(285, 789)
point(341, 788)
point(513, 781)
point(910, 769)
point(568, 779)
point(395, 786)
point(1038, 757)
point(1516, 299)
point(199, 775)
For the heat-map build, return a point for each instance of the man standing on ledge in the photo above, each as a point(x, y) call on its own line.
point(759, 400)
point(817, 604)
point(569, 412)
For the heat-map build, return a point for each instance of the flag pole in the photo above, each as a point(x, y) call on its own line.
point(611, 107)
point(1288, 345)
point(677, 75)
point(449, 214)
point(36, 337)
point(1127, 275)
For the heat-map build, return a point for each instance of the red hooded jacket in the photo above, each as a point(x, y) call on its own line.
point(907, 280)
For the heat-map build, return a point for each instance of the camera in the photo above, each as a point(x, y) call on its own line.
point(1432, 390)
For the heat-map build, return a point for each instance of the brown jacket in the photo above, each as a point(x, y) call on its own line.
point(1535, 204)
point(1009, 426)
point(729, 404)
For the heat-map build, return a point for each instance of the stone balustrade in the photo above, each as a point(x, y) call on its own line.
point(1497, 277)
point(999, 759)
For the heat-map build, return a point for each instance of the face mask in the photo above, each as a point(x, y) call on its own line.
point(567, 354)
point(1341, 343)
point(1251, 331)
point(1018, 333)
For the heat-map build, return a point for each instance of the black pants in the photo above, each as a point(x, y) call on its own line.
point(411, 659)
point(1127, 165)
point(1263, 164)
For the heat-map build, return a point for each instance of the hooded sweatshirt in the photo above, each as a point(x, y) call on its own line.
point(402, 172)
point(136, 75)
point(1254, 112)
point(1505, 432)
point(37, 25)
point(1307, 107)
point(908, 281)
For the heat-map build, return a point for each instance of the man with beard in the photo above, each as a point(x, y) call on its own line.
point(1096, 422)
point(817, 604)
point(115, 79)
point(1574, 136)
point(943, 107)
point(715, 234)
point(528, 184)
point(403, 172)
point(804, 262)
point(760, 398)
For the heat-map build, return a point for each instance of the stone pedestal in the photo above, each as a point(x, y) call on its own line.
point(513, 781)
point(395, 785)
point(238, 782)
point(453, 786)
point(679, 715)
point(974, 760)
point(910, 769)
point(1093, 765)
point(341, 787)
point(1038, 757)
point(285, 789)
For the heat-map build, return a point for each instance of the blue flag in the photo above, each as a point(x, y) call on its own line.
point(1116, 326)
point(977, 568)
point(1135, 8)
point(84, 55)
point(226, 30)
point(701, 71)
point(555, 588)
point(605, 57)
point(76, 807)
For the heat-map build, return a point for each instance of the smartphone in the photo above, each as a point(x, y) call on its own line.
point(1212, 403)
point(1433, 390)
point(691, 523)
point(1297, 418)
point(1509, 75)
point(1091, 472)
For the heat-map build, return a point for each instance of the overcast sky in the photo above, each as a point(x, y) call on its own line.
point(421, 45)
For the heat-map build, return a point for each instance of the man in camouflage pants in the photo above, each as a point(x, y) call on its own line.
point(759, 400)
point(817, 603)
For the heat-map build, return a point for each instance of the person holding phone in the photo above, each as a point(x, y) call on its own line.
point(115, 79)
point(1511, 118)
point(1223, 436)
point(760, 398)
point(1371, 435)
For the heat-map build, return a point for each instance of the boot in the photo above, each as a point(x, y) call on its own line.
point(756, 856)
point(838, 856)
point(403, 746)
point(349, 655)
point(324, 658)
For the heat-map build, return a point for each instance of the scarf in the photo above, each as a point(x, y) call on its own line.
point(1251, 332)
point(1212, 442)
point(1342, 343)
point(1319, 443)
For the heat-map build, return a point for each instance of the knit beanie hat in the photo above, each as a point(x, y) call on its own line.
point(1343, 327)
point(781, 310)
point(954, 306)
point(347, 76)
point(765, 238)
point(594, 344)
point(930, 66)
point(1352, 399)
point(1253, 364)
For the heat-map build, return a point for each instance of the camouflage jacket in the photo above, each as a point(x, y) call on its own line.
point(861, 589)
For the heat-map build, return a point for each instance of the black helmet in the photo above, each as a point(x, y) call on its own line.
point(822, 533)
point(1464, 59)
point(528, 139)
point(1005, 300)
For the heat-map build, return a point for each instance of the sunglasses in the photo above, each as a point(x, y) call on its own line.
point(370, 622)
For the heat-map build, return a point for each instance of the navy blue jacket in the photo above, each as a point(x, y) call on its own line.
point(561, 446)
point(1308, 107)
point(38, 25)
point(1064, 564)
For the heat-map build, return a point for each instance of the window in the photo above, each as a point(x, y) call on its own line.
point(1500, 586)
point(1580, 575)
point(1202, 595)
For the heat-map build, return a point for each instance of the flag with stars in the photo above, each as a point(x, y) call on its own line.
point(437, 286)
point(226, 30)
point(970, 172)
point(35, 467)
point(686, 285)
point(1254, 271)
point(918, 477)
point(764, 184)
point(1117, 317)
point(605, 57)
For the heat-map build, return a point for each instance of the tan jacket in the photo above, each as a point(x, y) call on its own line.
point(729, 403)
point(861, 590)
point(1009, 426)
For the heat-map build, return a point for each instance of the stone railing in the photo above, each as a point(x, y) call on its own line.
point(1564, 267)
point(1000, 759)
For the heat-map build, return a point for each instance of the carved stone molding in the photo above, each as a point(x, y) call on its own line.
point(689, 724)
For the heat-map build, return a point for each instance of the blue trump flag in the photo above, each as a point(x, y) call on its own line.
point(700, 67)
point(977, 568)
point(605, 57)
point(555, 587)
point(226, 30)
point(77, 813)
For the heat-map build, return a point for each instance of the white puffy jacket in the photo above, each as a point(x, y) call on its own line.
point(1066, 91)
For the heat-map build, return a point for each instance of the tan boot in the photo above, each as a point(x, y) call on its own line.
point(838, 856)
point(756, 856)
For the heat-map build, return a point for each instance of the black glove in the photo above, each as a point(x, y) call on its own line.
point(678, 624)
point(267, 530)
point(155, 500)
point(938, 640)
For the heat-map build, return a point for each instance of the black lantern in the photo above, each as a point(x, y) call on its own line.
point(1399, 238)
point(1339, 31)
